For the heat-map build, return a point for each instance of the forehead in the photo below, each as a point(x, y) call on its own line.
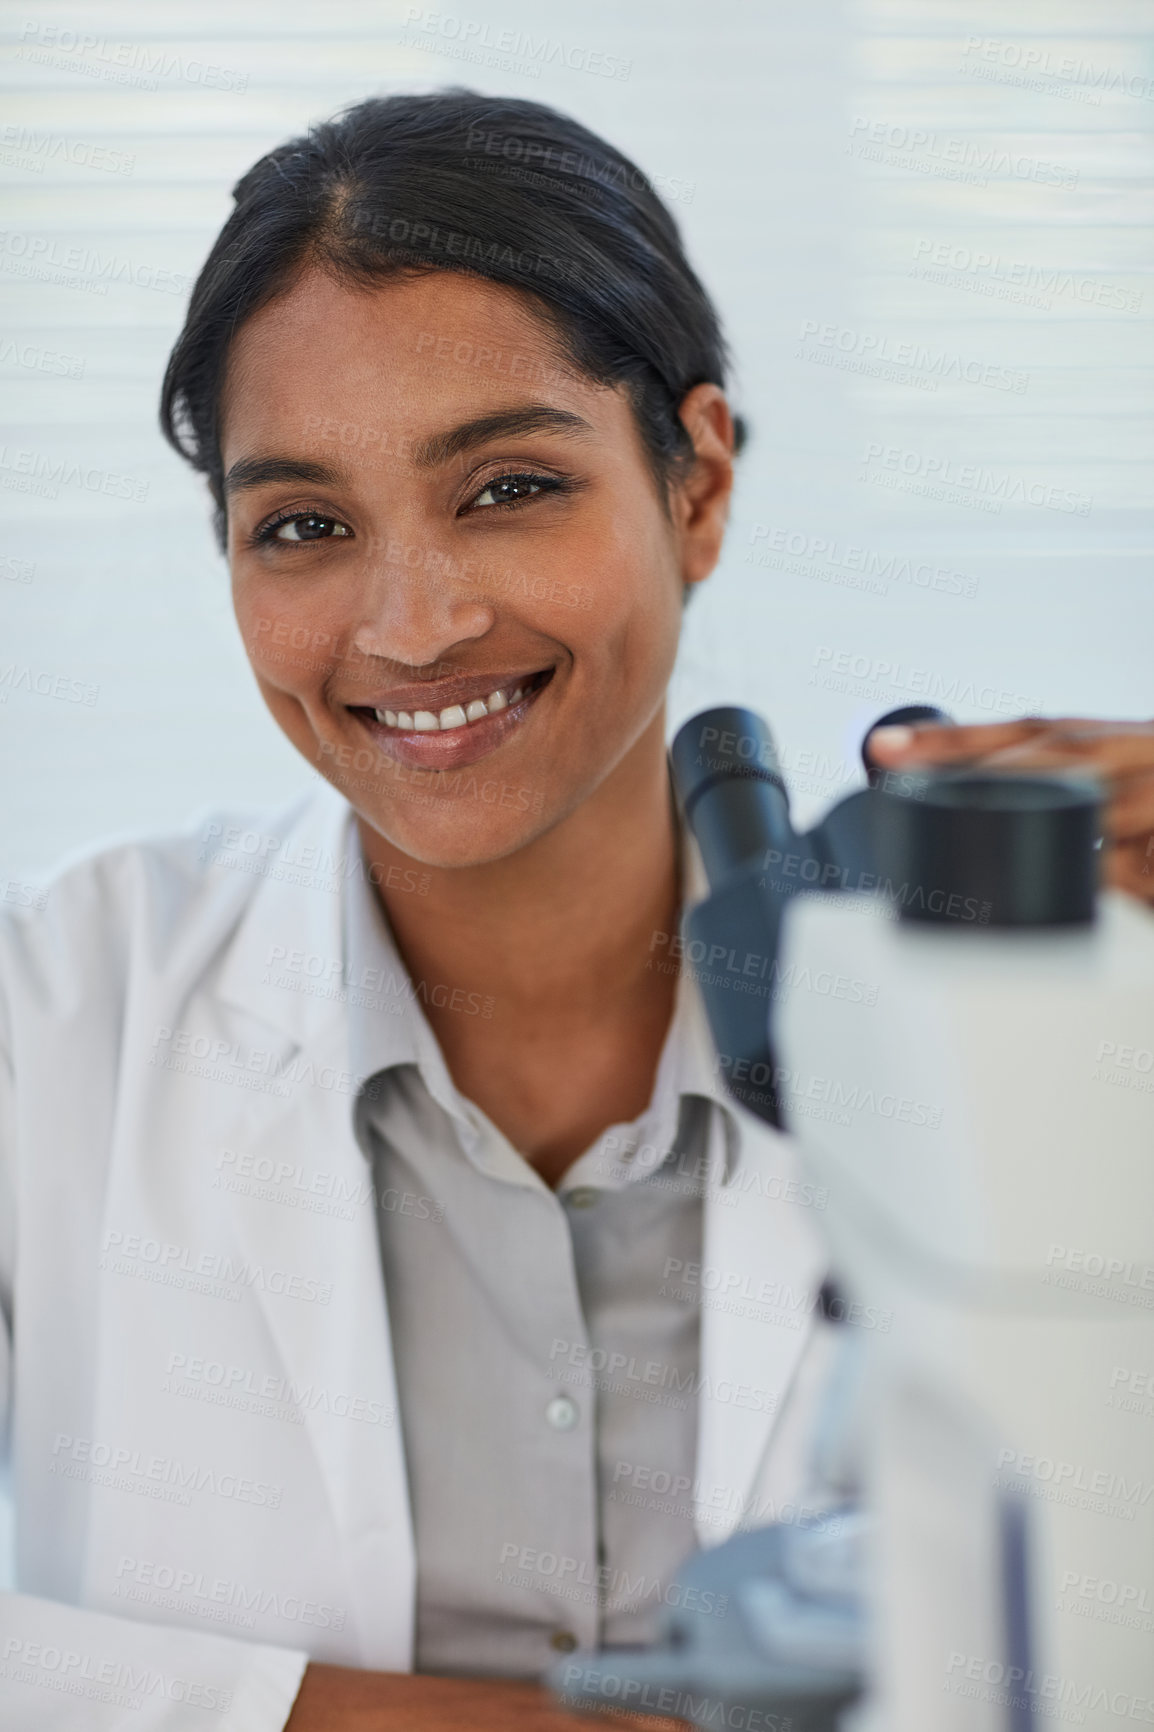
point(411, 352)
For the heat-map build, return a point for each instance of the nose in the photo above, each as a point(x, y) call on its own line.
point(418, 603)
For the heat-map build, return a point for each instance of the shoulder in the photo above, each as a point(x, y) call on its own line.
point(162, 902)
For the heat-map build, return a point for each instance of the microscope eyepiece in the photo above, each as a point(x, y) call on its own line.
point(909, 716)
point(728, 779)
point(977, 847)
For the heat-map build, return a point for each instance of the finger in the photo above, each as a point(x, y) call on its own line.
point(1130, 867)
point(932, 743)
point(1130, 813)
point(1111, 756)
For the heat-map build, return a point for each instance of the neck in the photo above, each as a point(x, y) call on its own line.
point(565, 926)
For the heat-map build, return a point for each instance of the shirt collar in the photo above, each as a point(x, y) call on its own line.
point(388, 1027)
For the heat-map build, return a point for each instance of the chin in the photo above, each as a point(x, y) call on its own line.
point(453, 830)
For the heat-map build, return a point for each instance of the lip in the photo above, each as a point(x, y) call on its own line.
point(438, 695)
point(453, 747)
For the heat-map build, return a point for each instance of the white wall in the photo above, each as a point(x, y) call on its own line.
point(1034, 176)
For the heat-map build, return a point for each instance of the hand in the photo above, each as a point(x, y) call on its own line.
point(340, 1699)
point(1120, 754)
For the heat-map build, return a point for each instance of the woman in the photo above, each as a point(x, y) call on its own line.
point(460, 403)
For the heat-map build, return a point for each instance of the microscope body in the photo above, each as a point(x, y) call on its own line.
point(961, 1042)
point(981, 1120)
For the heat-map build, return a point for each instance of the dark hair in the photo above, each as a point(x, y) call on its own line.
point(508, 190)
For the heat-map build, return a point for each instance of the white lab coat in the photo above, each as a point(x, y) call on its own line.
point(190, 1542)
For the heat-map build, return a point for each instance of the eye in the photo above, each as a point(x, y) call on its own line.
point(509, 489)
point(302, 526)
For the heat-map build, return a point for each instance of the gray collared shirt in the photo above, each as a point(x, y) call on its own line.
point(541, 1374)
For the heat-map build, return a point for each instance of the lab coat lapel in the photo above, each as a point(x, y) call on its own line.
point(762, 1264)
point(343, 1346)
point(263, 1172)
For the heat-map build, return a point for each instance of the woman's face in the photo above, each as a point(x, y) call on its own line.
point(454, 577)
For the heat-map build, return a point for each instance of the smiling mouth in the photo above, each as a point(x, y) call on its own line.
point(460, 733)
point(456, 716)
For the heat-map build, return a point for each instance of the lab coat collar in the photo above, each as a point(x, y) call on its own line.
point(285, 963)
point(285, 967)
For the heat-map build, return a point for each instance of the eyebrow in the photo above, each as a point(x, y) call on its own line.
point(263, 471)
point(438, 448)
point(525, 418)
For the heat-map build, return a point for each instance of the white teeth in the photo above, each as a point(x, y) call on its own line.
point(455, 716)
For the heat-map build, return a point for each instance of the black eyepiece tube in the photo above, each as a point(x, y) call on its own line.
point(728, 779)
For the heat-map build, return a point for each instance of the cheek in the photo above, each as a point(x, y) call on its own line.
point(287, 639)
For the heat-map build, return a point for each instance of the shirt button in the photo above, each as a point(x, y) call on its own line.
point(561, 1413)
point(563, 1640)
point(581, 1197)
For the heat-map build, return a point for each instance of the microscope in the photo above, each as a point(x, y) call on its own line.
point(981, 1553)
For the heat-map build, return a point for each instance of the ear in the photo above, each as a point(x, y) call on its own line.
point(700, 503)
